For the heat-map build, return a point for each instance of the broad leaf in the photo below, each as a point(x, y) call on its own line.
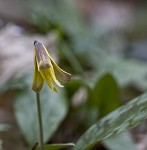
point(105, 95)
point(54, 109)
point(56, 146)
point(120, 142)
point(120, 120)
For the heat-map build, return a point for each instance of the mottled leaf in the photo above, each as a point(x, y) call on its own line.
point(120, 120)
point(120, 142)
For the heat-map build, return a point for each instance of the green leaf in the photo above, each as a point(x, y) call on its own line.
point(120, 142)
point(126, 71)
point(120, 120)
point(105, 95)
point(54, 109)
point(56, 146)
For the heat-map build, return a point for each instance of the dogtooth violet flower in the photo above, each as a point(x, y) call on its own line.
point(45, 69)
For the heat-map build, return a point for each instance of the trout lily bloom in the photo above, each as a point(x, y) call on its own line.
point(45, 69)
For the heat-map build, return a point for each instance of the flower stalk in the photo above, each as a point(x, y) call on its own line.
point(40, 121)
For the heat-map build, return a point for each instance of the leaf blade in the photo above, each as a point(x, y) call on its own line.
point(103, 98)
point(54, 108)
point(120, 120)
point(56, 146)
point(120, 141)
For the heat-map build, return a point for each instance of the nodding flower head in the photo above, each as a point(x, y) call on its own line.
point(45, 69)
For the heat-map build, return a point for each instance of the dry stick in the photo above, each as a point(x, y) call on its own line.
point(40, 121)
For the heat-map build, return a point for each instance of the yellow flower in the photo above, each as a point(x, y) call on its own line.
point(45, 69)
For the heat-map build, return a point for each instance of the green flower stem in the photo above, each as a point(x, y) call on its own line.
point(40, 121)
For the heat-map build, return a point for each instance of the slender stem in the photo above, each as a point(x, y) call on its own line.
point(40, 121)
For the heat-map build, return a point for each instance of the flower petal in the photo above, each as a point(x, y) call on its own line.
point(38, 80)
point(51, 71)
point(47, 69)
point(43, 61)
point(46, 76)
point(60, 74)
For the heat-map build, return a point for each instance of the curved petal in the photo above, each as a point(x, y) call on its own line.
point(38, 80)
point(60, 74)
point(46, 69)
point(51, 71)
point(46, 76)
